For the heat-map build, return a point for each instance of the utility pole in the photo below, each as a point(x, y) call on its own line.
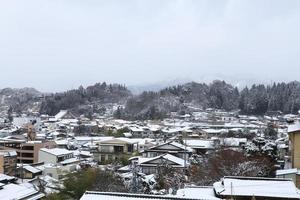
point(134, 184)
point(22, 169)
point(185, 152)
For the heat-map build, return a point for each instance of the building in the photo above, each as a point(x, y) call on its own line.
point(58, 162)
point(63, 114)
point(114, 148)
point(27, 152)
point(28, 172)
point(248, 188)
point(89, 195)
point(294, 136)
point(24, 191)
point(8, 162)
point(150, 165)
point(55, 155)
point(201, 146)
point(173, 148)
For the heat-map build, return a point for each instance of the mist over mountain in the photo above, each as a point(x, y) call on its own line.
point(156, 103)
point(256, 99)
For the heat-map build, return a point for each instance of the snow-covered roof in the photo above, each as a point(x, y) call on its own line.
point(172, 143)
point(56, 151)
point(258, 187)
point(234, 142)
point(32, 169)
point(61, 114)
point(8, 153)
point(22, 191)
point(4, 177)
point(196, 192)
point(119, 139)
point(82, 153)
point(203, 144)
point(69, 161)
point(167, 156)
point(128, 196)
point(215, 131)
point(136, 129)
point(286, 171)
point(128, 135)
point(294, 127)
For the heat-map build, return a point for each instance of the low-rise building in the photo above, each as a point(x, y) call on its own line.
point(151, 165)
point(114, 149)
point(58, 162)
point(27, 152)
point(8, 162)
point(173, 148)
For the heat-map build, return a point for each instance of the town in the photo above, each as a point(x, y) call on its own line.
point(149, 100)
point(207, 154)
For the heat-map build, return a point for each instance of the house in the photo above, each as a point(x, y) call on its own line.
point(248, 188)
point(6, 179)
point(8, 162)
point(201, 146)
point(114, 149)
point(28, 172)
point(55, 155)
point(24, 191)
point(140, 132)
point(233, 143)
point(173, 148)
point(10, 190)
point(58, 162)
point(150, 165)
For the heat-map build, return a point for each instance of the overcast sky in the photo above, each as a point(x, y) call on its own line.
point(54, 45)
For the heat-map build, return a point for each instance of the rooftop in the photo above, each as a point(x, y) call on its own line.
point(259, 187)
point(127, 196)
point(56, 151)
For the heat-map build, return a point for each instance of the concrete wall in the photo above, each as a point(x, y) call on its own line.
point(47, 157)
point(295, 149)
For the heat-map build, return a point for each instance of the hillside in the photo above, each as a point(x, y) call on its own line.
point(19, 100)
point(85, 100)
point(256, 100)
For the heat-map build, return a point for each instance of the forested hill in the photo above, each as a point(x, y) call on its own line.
point(83, 100)
point(257, 99)
point(18, 100)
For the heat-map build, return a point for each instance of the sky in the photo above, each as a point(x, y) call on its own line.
point(55, 45)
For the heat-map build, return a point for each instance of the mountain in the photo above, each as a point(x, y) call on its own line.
point(255, 100)
point(85, 100)
point(19, 100)
point(157, 105)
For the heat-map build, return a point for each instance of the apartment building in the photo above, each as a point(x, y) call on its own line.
point(8, 162)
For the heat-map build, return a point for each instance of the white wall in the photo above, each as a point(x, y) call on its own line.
point(47, 157)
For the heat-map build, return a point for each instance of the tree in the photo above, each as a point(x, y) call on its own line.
point(231, 163)
point(75, 184)
point(9, 114)
point(168, 178)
